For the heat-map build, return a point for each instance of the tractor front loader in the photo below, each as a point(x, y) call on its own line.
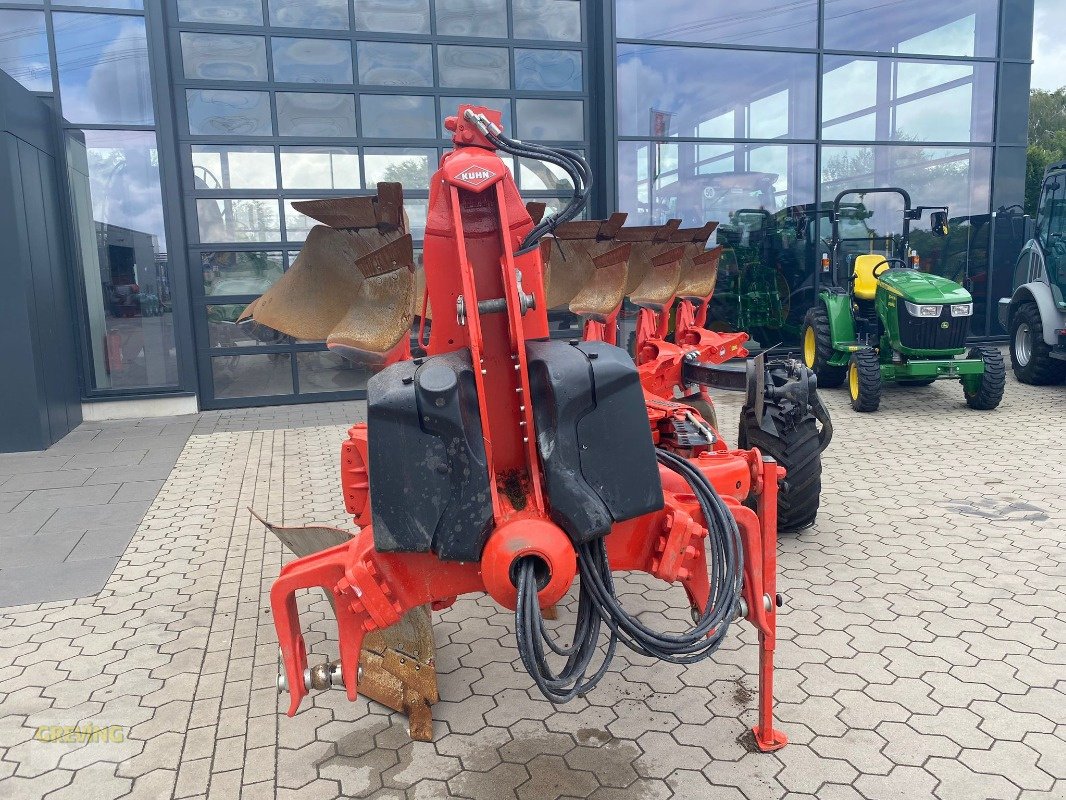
point(509, 464)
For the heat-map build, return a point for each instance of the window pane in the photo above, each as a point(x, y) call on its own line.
point(702, 182)
point(224, 331)
point(103, 68)
point(24, 49)
point(663, 91)
point(549, 70)
point(118, 211)
point(297, 224)
point(320, 168)
point(958, 28)
point(766, 274)
point(551, 119)
point(217, 166)
point(959, 178)
point(238, 220)
point(392, 16)
point(542, 176)
point(224, 12)
point(955, 177)
point(312, 60)
point(220, 56)
point(749, 22)
point(547, 19)
point(323, 371)
point(398, 116)
point(405, 165)
point(132, 4)
point(315, 114)
point(230, 272)
point(472, 18)
point(218, 111)
point(252, 375)
point(416, 214)
point(325, 14)
point(884, 98)
point(473, 67)
point(395, 64)
point(449, 105)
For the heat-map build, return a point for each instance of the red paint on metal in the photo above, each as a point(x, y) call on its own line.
point(355, 476)
point(471, 237)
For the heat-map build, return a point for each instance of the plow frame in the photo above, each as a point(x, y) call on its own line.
point(488, 296)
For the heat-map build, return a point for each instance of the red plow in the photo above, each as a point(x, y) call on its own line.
point(507, 463)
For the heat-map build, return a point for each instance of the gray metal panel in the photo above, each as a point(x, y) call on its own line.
point(1016, 29)
point(1012, 106)
point(41, 402)
point(56, 317)
point(21, 428)
point(1008, 177)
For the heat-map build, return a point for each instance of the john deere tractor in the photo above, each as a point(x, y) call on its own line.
point(883, 320)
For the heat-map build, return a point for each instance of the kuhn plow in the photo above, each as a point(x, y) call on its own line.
point(506, 463)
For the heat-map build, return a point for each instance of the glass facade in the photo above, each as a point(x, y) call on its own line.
point(852, 94)
point(191, 127)
point(107, 115)
point(326, 98)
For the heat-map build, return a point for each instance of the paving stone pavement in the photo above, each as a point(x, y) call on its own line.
point(922, 646)
point(68, 513)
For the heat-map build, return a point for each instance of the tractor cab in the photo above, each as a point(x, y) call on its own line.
point(879, 318)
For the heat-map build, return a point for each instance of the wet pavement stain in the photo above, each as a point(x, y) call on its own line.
point(989, 508)
point(593, 737)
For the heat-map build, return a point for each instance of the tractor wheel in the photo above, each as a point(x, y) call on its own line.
point(864, 380)
point(818, 348)
point(1030, 357)
point(989, 391)
point(917, 382)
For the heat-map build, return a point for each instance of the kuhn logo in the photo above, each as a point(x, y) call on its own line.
point(475, 175)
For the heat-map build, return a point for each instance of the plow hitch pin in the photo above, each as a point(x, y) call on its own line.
point(326, 675)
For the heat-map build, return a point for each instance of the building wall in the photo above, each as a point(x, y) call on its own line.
point(40, 402)
point(190, 126)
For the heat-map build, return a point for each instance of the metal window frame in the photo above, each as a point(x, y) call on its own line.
point(176, 266)
point(598, 45)
point(199, 345)
point(994, 145)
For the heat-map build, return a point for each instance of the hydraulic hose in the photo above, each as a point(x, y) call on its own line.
point(598, 603)
point(570, 162)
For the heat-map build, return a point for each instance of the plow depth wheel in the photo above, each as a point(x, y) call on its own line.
point(788, 432)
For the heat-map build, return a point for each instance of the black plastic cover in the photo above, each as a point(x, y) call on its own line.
point(593, 436)
point(429, 481)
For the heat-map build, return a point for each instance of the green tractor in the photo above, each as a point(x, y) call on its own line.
point(883, 320)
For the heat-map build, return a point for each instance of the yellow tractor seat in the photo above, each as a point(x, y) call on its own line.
point(865, 284)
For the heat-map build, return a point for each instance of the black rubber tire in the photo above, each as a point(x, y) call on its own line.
point(797, 446)
point(799, 451)
point(868, 366)
point(1042, 369)
point(829, 376)
point(990, 391)
point(917, 382)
